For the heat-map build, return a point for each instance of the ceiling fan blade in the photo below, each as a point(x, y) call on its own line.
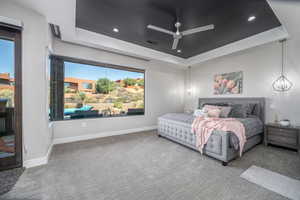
point(175, 43)
point(160, 29)
point(199, 29)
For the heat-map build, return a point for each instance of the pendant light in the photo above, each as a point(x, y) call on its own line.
point(282, 84)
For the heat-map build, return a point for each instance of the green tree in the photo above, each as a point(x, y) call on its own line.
point(104, 86)
point(129, 82)
point(141, 82)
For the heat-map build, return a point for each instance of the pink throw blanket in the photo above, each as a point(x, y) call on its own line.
point(203, 128)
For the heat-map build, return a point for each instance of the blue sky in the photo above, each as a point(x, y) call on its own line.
point(89, 72)
point(7, 57)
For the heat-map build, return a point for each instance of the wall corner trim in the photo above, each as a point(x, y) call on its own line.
point(39, 161)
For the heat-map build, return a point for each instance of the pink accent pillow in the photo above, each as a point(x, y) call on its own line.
point(206, 108)
point(225, 110)
point(214, 113)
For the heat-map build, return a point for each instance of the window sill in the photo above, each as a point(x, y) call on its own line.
point(99, 118)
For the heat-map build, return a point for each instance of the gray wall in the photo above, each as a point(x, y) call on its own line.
point(164, 93)
point(36, 134)
point(261, 66)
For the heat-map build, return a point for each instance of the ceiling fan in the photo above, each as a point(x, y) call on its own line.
point(178, 35)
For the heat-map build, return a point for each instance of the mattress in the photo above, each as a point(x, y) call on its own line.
point(253, 125)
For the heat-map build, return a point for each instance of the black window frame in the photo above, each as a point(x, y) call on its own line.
point(57, 76)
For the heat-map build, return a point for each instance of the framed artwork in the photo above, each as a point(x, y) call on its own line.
point(228, 83)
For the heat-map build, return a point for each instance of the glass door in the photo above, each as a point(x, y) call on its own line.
point(10, 99)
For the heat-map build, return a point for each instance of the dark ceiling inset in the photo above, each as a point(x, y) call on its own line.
point(230, 18)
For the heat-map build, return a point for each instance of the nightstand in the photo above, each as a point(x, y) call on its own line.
point(282, 136)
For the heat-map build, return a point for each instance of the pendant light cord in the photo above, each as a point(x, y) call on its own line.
point(282, 56)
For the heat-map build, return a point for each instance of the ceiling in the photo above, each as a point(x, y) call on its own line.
point(132, 17)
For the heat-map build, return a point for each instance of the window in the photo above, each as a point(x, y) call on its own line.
point(10, 97)
point(67, 85)
point(87, 86)
point(83, 89)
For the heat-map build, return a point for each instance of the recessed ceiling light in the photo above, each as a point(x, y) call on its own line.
point(251, 18)
point(116, 30)
point(178, 51)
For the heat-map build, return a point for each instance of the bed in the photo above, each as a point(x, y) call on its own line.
point(221, 145)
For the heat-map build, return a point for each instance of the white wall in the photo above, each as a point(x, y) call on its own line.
point(36, 136)
point(261, 66)
point(164, 93)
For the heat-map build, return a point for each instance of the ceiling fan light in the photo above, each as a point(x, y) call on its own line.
point(282, 84)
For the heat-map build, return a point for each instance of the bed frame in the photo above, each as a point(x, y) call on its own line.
point(218, 145)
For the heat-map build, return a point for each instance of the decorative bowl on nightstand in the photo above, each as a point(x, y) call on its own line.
point(285, 122)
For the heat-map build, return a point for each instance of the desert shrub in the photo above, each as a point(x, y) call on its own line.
point(67, 90)
point(91, 100)
point(109, 100)
point(141, 105)
point(9, 95)
point(69, 106)
point(118, 105)
point(141, 82)
point(79, 105)
point(72, 99)
point(129, 82)
point(124, 99)
point(136, 98)
point(104, 86)
point(80, 97)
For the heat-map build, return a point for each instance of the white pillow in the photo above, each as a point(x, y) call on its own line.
point(199, 113)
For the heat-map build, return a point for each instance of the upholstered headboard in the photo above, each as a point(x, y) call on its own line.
point(239, 100)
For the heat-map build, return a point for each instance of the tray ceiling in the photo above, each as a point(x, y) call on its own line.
point(132, 17)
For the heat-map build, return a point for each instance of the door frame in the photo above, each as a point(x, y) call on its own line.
point(16, 36)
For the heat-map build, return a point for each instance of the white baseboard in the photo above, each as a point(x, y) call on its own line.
point(100, 135)
point(39, 161)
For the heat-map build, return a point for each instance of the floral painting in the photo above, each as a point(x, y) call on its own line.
point(229, 83)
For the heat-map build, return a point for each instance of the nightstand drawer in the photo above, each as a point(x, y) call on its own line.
point(282, 132)
point(289, 141)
